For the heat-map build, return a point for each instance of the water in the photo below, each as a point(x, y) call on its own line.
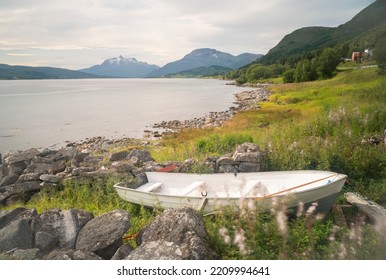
point(47, 113)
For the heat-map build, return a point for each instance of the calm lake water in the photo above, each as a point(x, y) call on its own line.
point(47, 113)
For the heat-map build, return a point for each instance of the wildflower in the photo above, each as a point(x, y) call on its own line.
point(311, 209)
point(281, 219)
point(225, 235)
point(300, 211)
point(240, 241)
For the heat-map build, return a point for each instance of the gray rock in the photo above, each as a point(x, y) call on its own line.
point(227, 169)
point(27, 254)
point(183, 227)
point(7, 216)
point(50, 178)
point(81, 170)
point(9, 180)
point(79, 157)
point(123, 167)
point(21, 156)
point(226, 161)
point(71, 254)
point(20, 191)
point(247, 157)
point(142, 155)
point(29, 177)
point(122, 252)
point(157, 250)
point(39, 168)
point(57, 167)
point(103, 234)
point(119, 156)
point(64, 224)
point(45, 241)
point(17, 234)
point(247, 148)
point(249, 167)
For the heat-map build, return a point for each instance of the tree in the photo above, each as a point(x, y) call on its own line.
point(327, 62)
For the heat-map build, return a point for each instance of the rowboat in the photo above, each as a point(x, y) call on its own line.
point(211, 192)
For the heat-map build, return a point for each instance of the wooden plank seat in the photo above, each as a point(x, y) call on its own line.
point(192, 187)
point(152, 186)
point(257, 188)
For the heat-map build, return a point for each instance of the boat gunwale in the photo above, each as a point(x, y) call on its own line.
point(338, 177)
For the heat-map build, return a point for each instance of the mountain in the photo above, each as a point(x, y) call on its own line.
point(9, 72)
point(121, 67)
point(361, 29)
point(209, 71)
point(205, 58)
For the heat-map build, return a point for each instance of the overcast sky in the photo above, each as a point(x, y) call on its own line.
point(80, 33)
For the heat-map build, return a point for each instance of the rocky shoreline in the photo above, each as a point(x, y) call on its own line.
point(245, 100)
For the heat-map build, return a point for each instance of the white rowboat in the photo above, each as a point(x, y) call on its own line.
point(211, 192)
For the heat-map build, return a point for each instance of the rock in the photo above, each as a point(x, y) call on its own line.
point(45, 241)
point(157, 250)
point(79, 157)
point(247, 148)
point(17, 234)
point(123, 252)
point(50, 178)
point(119, 156)
point(38, 167)
point(27, 254)
point(141, 155)
point(71, 254)
point(249, 167)
point(21, 156)
point(7, 216)
point(9, 180)
point(183, 227)
point(20, 191)
point(81, 170)
point(57, 167)
point(123, 167)
point(224, 160)
point(103, 234)
point(247, 157)
point(64, 224)
point(29, 177)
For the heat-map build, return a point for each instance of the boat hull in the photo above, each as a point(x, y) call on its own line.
point(297, 187)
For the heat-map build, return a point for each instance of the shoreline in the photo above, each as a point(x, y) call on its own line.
point(245, 100)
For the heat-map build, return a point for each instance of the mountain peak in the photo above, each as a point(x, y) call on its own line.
point(121, 67)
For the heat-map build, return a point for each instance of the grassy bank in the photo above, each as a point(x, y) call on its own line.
point(329, 125)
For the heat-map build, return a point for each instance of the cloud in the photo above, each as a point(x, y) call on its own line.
point(73, 33)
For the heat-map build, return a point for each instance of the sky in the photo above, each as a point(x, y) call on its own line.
point(77, 34)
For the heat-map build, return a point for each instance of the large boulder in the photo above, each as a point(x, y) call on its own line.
point(157, 250)
point(71, 254)
point(19, 191)
point(8, 216)
point(63, 224)
point(103, 234)
point(17, 234)
point(184, 228)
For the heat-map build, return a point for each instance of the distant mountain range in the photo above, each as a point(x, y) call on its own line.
point(8, 72)
point(122, 68)
point(199, 60)
point(205, 58)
